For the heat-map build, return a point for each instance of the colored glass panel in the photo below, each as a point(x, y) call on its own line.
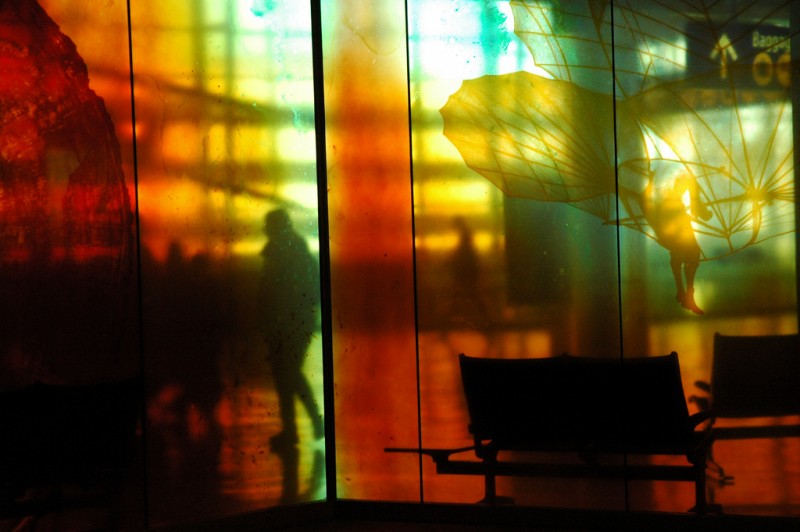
point(597, 197)
point(68, 280)
point(229, 233)
point(500, 274)
point(505, 178)
point(372, 290)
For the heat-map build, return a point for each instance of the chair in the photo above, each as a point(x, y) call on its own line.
point(752, 377)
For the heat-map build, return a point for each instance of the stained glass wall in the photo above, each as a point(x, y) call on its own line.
point(500, 275)
point(367, 122)
point(68, 264)
point(504, 179)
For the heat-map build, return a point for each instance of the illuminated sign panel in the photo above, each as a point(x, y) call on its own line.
point(752, 56)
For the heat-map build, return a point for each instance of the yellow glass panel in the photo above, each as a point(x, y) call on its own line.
point(715, 251)
point(228, 212)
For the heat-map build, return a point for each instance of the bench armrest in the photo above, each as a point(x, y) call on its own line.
point(701, 440)
point(700, 417)
point(702, 401)
point(440, 456)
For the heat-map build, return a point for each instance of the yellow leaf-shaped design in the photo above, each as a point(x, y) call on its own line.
point(542, 139)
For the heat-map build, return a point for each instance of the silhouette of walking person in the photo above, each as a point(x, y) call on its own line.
point(466, 303)
point(671, 216)
point(289, 295)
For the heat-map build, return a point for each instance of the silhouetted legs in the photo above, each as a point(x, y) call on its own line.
point(287, 354)
point(685, 296)
point(289, 456)
point(290, 383)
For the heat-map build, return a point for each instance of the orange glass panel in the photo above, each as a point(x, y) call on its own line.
point(371, 249)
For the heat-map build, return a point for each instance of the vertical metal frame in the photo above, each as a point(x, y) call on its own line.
point(324, 249)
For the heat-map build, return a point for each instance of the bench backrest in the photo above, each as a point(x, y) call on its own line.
point(576, 403)
point(58, 431)
point(755, 376)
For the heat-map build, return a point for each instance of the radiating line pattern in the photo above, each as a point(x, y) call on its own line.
point(693, 92)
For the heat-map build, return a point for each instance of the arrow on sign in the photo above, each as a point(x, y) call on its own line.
point(724, 50)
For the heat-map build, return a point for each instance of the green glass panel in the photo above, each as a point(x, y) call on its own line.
point(712, 208)
point(507, 266)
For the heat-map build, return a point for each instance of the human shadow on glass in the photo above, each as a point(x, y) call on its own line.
point(289, 302)
point(467, 306)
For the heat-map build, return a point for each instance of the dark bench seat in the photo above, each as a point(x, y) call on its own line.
point(754, 380)
point(60, 440)
point(584, 406)
point(754, 377)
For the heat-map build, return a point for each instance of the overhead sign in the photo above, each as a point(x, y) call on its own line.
point(753, 57)
point(772, 62)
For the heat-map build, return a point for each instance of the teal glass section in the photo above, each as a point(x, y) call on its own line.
point(505, 269)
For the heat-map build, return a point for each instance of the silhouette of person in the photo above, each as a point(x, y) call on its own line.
point(671, 215)
point(464, 266)
point(289, 296)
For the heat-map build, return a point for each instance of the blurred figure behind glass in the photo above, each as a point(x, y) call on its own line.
point(289, 299)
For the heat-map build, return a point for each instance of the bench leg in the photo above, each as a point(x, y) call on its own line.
point(701, 505)
point(490, 489)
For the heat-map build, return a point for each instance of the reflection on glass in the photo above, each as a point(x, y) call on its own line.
point(552, 139)
point(67, 240)
point(466, 300)
point(673, 124)
point(69, 401)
